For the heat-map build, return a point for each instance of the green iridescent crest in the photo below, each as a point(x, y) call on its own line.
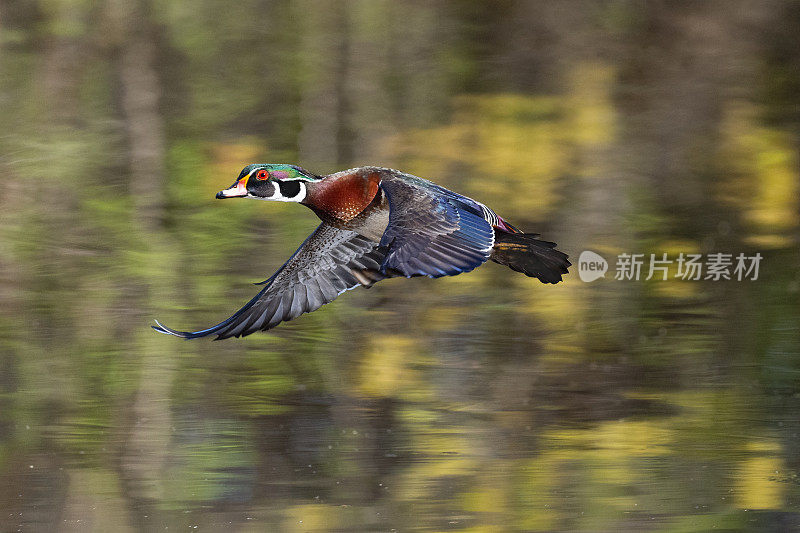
point(279, 171)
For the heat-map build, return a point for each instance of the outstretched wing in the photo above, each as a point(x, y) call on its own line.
point(433, 231)
point(328, 263)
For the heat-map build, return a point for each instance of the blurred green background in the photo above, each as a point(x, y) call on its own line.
point(483, 402)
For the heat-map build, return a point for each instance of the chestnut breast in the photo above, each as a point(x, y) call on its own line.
point(344, 196)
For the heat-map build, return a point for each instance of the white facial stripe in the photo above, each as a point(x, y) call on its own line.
point(302, 194)
point(278, 197)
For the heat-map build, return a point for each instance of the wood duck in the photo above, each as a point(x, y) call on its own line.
point(377, 223)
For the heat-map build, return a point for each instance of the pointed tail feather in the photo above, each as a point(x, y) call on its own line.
point(525, 253)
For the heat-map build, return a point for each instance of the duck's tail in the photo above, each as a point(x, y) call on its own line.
point(533, 257)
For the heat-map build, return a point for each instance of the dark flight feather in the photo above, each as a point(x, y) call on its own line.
point(328, 263)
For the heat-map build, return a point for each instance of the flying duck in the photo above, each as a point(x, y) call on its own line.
point(377, 223)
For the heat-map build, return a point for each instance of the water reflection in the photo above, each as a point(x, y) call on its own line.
point(482, 402)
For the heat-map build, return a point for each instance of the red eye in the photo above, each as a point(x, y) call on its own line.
point(262, 174)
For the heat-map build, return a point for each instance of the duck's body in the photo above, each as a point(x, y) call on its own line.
point(376, 223)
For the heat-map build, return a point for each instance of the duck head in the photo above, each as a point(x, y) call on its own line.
point(282, 183)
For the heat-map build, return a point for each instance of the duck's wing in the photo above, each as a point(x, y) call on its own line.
point(329, 262)
point(433, 231)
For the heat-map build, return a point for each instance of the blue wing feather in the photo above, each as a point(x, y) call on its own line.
point(433, 231)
